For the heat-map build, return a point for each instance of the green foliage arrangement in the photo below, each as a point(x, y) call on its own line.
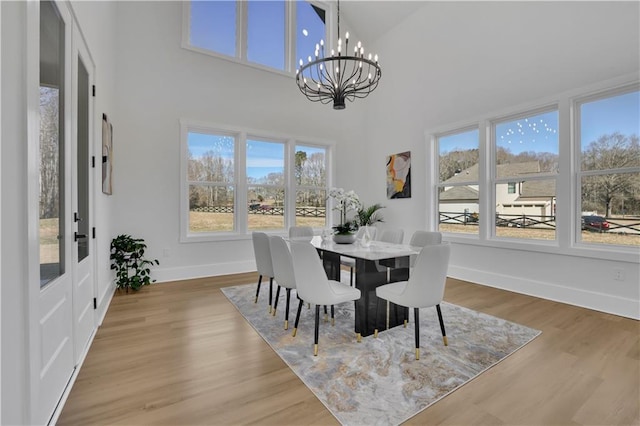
point(367, 216)
point(127, 259)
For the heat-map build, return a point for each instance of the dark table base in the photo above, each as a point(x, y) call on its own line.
point(369, 275)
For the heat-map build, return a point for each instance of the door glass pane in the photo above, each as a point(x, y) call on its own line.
point(82, 217)
point(266, 33)
point(213, 26)
point(51, 143)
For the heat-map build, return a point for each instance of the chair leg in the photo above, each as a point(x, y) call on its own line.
point(270, 293)
point(417, 321)
point(326, 314)
point(295, 325)
point(375, 330)
point(333, 319)
point(258, 290)
point(317, 328)
point(286, 313)
point(444, 333)
point(275, 303)
point(351, 279)
point(387, 315)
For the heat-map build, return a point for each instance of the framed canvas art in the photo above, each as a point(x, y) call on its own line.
point(399, 175)
point(107, 155)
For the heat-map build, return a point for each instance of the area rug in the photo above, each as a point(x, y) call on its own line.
point(379, 381)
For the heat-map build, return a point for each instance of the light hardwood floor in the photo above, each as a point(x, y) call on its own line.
point(180, 354)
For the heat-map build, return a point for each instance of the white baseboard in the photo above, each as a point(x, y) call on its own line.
point(602, 302)
point(200, 271)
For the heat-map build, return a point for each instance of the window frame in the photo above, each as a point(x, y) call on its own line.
point(504, 180)
point(241, 229)
point(242, 35)
point(566, 185)
point(576, 104)
point(439, 184)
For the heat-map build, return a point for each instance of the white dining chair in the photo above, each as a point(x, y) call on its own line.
point(282, 272)
point(423, 238)
point(425, 288)
point(313, 286)
point(300, 232)
point(395, 236)
point(351, 262)
point(264, 264)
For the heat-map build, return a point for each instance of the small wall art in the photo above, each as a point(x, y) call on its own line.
point(399, 175)
point(107, 155)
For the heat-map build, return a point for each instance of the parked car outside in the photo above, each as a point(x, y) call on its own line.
point(594, 223)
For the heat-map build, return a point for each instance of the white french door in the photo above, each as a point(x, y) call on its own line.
point(82, 191)
point(60, 147)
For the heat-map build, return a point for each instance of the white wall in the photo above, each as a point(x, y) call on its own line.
point(452, 62)
point(158, 83)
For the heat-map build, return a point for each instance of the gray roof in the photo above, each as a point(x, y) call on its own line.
point(459, 193)
point(503, 170)
point(538, 189)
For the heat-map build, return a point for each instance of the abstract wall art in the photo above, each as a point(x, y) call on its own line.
point(399, 175)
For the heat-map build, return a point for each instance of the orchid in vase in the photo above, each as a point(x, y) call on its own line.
point(345, 201)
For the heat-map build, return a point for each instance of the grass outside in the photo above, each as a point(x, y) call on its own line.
point(215, 222)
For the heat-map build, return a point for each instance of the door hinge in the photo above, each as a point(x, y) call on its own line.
point(93, 232)
point(93, 90)
point(95, 303)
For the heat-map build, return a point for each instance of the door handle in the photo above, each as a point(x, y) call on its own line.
point(77, 236)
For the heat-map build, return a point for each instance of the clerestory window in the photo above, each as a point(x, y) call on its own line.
point(271, 34)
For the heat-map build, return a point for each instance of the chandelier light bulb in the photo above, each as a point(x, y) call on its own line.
point(369, 56)
point(321, 42)
point(333, 53)
point(309, 58)
point(301, 63)
point(347, 35)
point(376, 58)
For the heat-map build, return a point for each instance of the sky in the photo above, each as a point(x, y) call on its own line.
point(539, 133)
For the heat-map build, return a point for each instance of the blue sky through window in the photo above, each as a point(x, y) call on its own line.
point(264, 158)
point(605, 116)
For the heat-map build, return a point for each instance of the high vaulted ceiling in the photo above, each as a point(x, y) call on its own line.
point(371, 19)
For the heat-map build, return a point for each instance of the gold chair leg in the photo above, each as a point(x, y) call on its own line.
point(286, 324)
point(295, 330)
point(375, 333)
point(315, 350)
point(359, 337)
point(445, 340)
point(333, 322)
point(405, 323)
point(273, 313)
point(256, 300)
point(387, 314)
point(417, 353)
point(269, 308)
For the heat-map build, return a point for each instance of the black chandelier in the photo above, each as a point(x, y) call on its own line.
point(338, 77)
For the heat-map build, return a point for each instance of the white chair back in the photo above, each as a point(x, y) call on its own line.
point(395, 236)
point(262, 253)
point(427, 281)
point(282, 263)
point(311, 279)
point(425, 238)
point(300, 231)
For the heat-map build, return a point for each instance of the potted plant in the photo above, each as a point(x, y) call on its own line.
point(127, 259)
point(368, 216)
point(344, 232)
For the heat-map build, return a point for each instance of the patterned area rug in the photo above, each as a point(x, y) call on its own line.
point(379, 381)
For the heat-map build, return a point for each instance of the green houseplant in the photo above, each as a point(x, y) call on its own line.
point(127, 259)
point(367, 216)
